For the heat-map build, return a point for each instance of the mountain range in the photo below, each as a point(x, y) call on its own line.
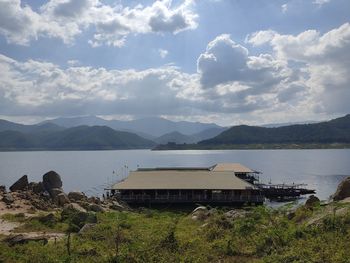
point(150, 128)
point(96, 133)
point(333, 131)
point(92, 133)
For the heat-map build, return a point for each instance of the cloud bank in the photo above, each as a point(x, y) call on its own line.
point(304, 75)
point(66, 19)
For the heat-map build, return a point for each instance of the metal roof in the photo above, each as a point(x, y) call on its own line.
point(178, 179)
point(232, 167)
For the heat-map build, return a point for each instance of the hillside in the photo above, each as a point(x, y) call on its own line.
point(77, 138)
point(147, 127)
point(175, 137)
point(41, 127)
point(334, 131)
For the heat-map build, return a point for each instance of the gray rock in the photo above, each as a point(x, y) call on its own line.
point(76, 196)
point(2, 189)
point(8, 199)
point(312, 201)
point(20, 184)
point(116, 206)
point(94, 199)
point(200, 213)
point(21, 239)
point(87, 227)
point(233, 214)
point(37, 188)
point(55, 192)
point(96, 208)
point(73, 207)
point(62, 199)
point(343, 190)
point(48, 219)
point(52, 180)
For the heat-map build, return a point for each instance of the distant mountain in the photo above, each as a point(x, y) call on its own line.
point(147, 127)
point(208, 133)
point(175, 137)
point(276, 125)
point(179, 138)
point(76, 138)
point(43, 127)
point(334, 131)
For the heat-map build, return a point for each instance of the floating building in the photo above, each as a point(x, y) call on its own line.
point(223, 183)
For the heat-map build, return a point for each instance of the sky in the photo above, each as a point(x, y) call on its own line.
point(224, 61)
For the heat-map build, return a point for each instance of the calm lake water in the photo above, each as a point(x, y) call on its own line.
point(91, 171)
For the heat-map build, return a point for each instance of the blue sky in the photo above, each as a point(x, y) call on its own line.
point(223, 61)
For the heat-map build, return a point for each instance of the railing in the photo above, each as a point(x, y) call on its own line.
point(176, 198)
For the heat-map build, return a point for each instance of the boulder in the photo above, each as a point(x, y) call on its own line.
point(62, 199)
point(52, 180)
point(22, 239)
point(233, 214)
point(200, 213)
point(94, 199)
point(48, 219)
point(55, 192)
point(87, 227)
point(20, 184)
point(343, 190)
point(73, 207)
point(312, 201)
point(8, 199)
point(37, 188)
point(76, 196)
point(96, 208)
point(2, 189)
point(116, 206)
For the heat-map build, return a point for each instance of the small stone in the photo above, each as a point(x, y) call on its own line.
point(73, 207)
point(8, 199)
point(200, 213)
point(2, 189)
point(37, 188)
point(87, 227)
point(62, 199)
point(76, 196)
point(96, 208)
point(22, 239)
point(94, 199)
point(48, 219)
point(55, 192)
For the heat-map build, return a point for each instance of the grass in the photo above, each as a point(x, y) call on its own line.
point(265, 235)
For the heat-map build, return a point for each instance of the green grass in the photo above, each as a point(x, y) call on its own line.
point(265, 235)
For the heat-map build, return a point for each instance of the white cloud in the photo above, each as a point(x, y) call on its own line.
point(284, 8)
point(163, 53)
point(305, 76)
point(320, 2)
point(65, 19)
point(324, 62)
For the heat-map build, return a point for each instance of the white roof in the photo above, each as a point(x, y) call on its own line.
point(232, 167)
point(177, 179)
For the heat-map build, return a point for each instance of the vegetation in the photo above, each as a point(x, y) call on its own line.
point(77, 138)
point(263, 235)
point(334, 131)
point(323, 135)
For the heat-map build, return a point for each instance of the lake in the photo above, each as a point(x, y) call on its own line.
point(91, 171)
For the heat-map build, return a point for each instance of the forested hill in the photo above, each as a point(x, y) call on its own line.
point(334, 131)
point(77, 138)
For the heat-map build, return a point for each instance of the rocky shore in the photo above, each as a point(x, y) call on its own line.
point(43, 201)
point(47, 203)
